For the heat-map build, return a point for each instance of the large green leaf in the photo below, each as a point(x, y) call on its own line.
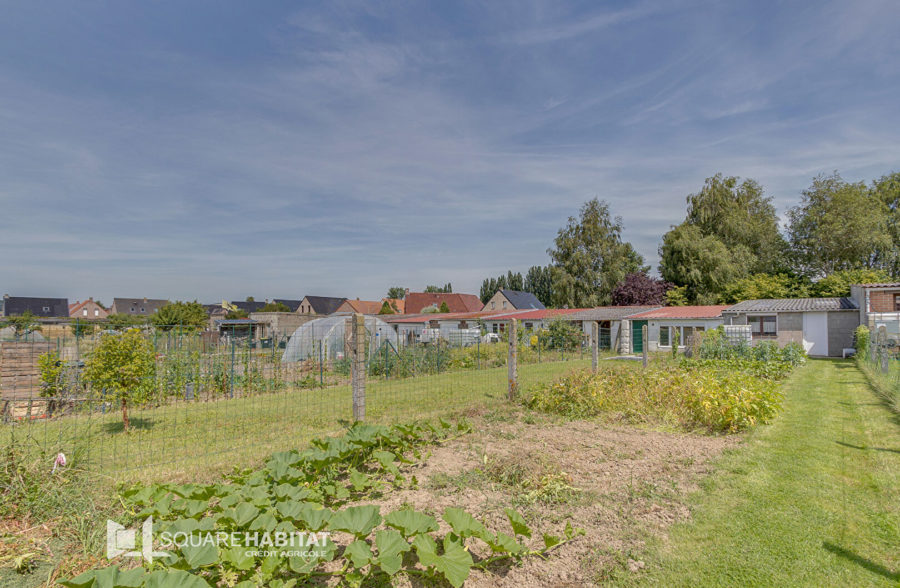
point(358, 520)
point(314, 516)
point(111, 577)
point(455, 563)
point(410, 522)
point(264, 522)
point(359, 553)
point(243, 513)
point(174, 579)
point(391, 545)
point(238, 558)
point(464, 524)
point(200, 555)
point(518, 523)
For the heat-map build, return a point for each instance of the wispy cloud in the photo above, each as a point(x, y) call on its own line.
point(344, 148)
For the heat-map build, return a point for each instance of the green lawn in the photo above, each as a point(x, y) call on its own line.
point(812, 500)
point(194, 440)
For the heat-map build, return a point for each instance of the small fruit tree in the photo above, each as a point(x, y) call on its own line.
point(122, 366)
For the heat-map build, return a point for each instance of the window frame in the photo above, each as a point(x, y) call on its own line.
point(760, 321)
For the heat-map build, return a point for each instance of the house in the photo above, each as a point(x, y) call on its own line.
point(40, 307)
point(360, 306)
point(419, 302)
point(513, 300)
point(321, 305)
point(879, 305)
point(88, 310)
point(136, 306)
point(616, 330)
point(664, 324)
point(824, 326)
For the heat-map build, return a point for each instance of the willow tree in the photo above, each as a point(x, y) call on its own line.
point(590, 258)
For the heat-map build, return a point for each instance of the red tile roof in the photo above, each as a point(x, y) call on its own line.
point(416, 301)
point(535, 315)
point(436, 316)
point(682, 312)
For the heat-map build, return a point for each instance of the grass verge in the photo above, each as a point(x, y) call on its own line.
point(812, 500)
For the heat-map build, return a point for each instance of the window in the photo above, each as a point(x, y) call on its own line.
point(84, 312)
point(762, 326)
point(664, 339)
point(96, 312)
point(494, 328)
point(897, 302)
point(504, 304)
point(493, 305)
point(529, 326)
point(46, 309)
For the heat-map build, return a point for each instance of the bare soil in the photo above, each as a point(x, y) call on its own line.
point(620, 484)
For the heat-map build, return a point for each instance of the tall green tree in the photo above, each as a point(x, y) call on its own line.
point(184, 315)
point(886, 190)
point(839, 226)
point(761, 286)
point(838, 284)
point(590, 258)
point(738, 214)
point(396, 292)
point(702, 264)
point(730, 231)
point(539, 281)
point(445, 289)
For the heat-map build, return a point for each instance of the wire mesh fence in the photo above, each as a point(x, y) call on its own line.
point(881, 361)
point(207, 401)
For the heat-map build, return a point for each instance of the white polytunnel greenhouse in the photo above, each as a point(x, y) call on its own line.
point(327, 338)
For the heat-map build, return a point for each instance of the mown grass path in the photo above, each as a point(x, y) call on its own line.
point(811, 500)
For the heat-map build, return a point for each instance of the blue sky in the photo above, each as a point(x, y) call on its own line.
point(217, 150)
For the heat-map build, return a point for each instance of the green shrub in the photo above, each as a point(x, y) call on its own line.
point(52, 374)
point(720, 400)
point(714, 344)
point(863, 339)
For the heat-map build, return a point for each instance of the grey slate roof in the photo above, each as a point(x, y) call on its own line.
point(608, 313)
point(793, 305)
point(248, 306)
point(46, 307)
point(136, 306)
point(522, 300)
point(324, 304)
point(292, 304)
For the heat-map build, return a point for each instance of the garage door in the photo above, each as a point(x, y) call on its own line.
point(815, 333)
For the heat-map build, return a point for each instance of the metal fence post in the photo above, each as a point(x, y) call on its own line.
point(595, 346)
point(358, 366)
point(644, 345)
point(512, 361)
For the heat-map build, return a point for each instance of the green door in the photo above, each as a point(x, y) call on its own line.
point(637, 336)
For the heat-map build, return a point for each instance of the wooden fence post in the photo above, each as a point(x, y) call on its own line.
point(512, 360)
point(358, 365)
point(595, 346)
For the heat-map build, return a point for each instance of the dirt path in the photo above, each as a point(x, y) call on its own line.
point(618, 483)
